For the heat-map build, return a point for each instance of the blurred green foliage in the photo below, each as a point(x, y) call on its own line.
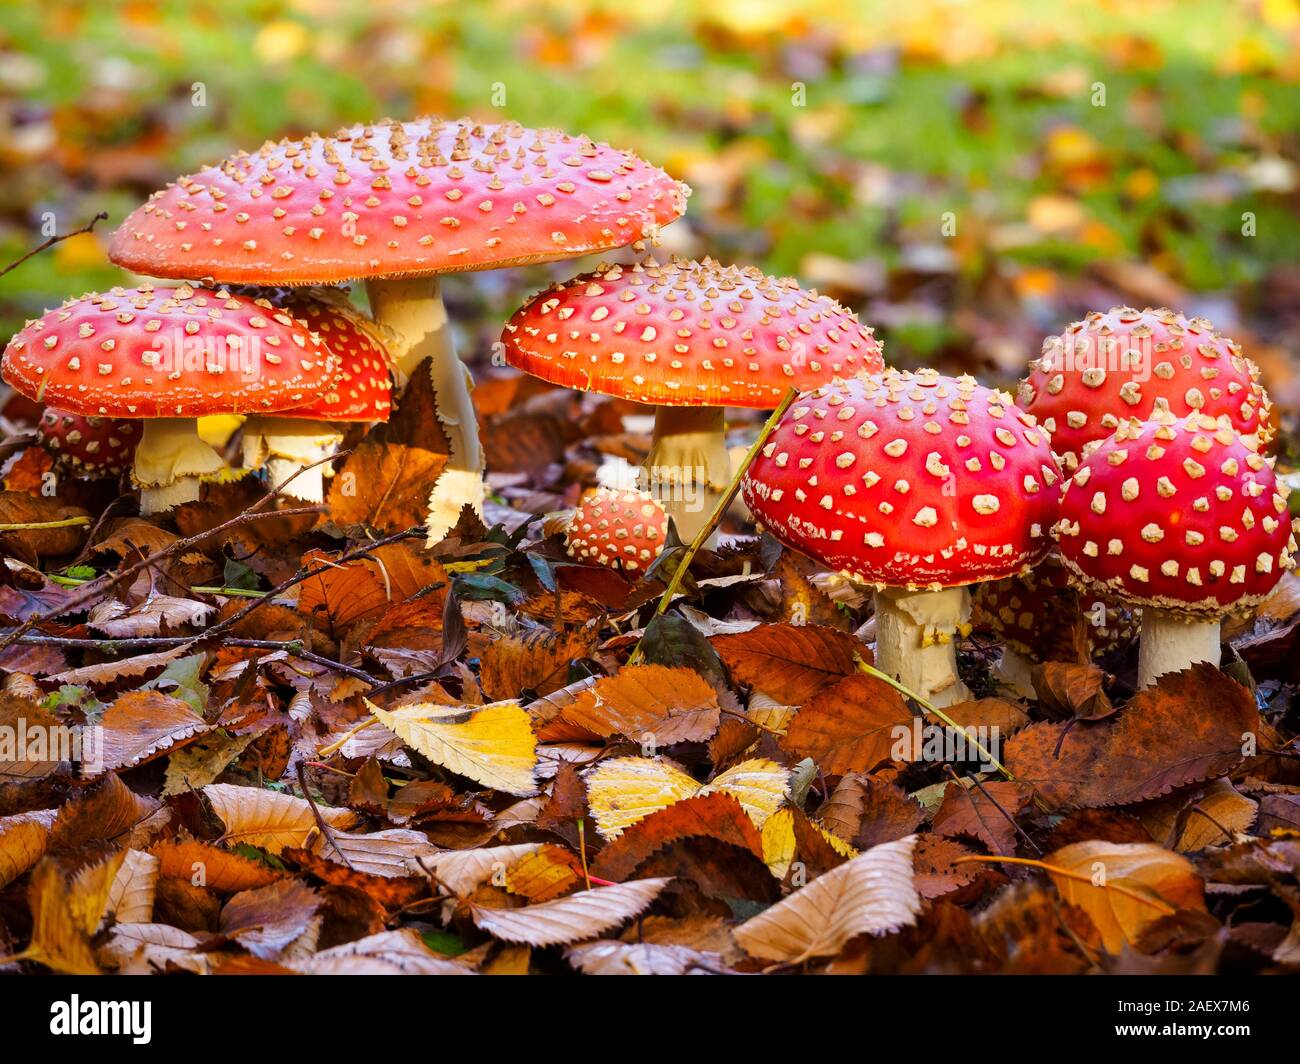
point(824, 139)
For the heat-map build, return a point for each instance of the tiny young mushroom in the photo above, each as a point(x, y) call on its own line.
point(398, 204)
point(619, 529)
point(1183, 517)
point(93, 447)
point(1135, 363)
point(689, 338)
point(165, 357)
point(920, 485)
point(1035, 614)
point(296, 441)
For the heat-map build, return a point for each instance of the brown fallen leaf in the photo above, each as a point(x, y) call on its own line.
point(574, 918)
point(66, 903)
point(537, 661)
point(871, 894)
point(131, 894)
point(1204, 816)
point(1125, 888)
point(671, 705)
point(718, 816)
point(19, 508)
point(1187, 728)
point(142, 725)
point(266, 920)
point(364, 588)
point(22, 842)
point(641, 958)
point(1072, 690)
point(209, 866)
point(790, 663)
point(866, 812)
point(388, 953)
point(545, 874)
point(985, 812)
point(850, 727)
point(385, 483)
point(267, 819)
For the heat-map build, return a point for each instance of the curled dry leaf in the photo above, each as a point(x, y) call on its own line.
point(266, 920)
point(144, 948)
point(1206, 816)
point(493, 745)
point(537, 661)
point(67, 904)
point(22, 842)
point(1072, 690)
point(871, 894)
point(789, 662)
point(1113, 873)
point(130, 897)
point(866, 812)
point(579, 916)
point(1190, 727)
point(270, 820)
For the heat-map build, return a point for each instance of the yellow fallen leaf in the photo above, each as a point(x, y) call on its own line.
point(759, 785)
point(779, 841)
point(493, 744)
point(66, 910)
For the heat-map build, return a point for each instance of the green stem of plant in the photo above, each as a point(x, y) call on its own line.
point(203, 589)
point(925, 704)
point(715, 518)
point(36, 526)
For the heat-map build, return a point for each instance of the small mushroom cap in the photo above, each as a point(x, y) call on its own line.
point(88, 446)
point(687, 334)
point(1035, 614)
point(167, 352)
point(362, 388)
point(397, 199)
point(910, 480)
point(1133, 363)
point(620, 529)
point(1179, 514)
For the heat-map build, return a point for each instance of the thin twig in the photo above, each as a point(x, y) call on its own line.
point(327, 833)
point(715, 518)
point(102, 216)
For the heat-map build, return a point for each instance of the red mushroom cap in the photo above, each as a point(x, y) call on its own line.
point(89, 446)
point(1179, 514)
point(1132, 363)
point(393, 198)
point(687, 334)
point(167, 352)
point(362, 388)
point(908, 480)
point(620, 529)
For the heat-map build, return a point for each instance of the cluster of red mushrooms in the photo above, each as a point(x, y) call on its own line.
point(1129, 473)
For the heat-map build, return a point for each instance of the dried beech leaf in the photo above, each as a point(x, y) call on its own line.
point(579, 916)
point(671, 705)
point(850, 727)
point(267, 819)
point(142, 725)
point(871, 894)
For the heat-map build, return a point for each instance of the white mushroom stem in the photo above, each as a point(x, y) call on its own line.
point(286, 446)
point(1172, 642)
point(1014, 671)
point(412, 309)
point(169, 463)
point(916, 633)
point(688, 466)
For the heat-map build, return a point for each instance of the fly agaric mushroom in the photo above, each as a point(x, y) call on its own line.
point(167, 356)
point(398, 204)
point(93, 447)
point(1134, 363)
point(920, 485)
point(1035, 613)
point(1183, 517)
point(689, 338)
point(620, 529)
point(297, 440)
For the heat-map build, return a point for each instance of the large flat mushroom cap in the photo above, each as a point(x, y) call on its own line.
point(1182, 514)
point(398, 199)
point(362, 387)
point(908, 480)
point(687, 334)
point(1134, 363)
point(167, 352)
